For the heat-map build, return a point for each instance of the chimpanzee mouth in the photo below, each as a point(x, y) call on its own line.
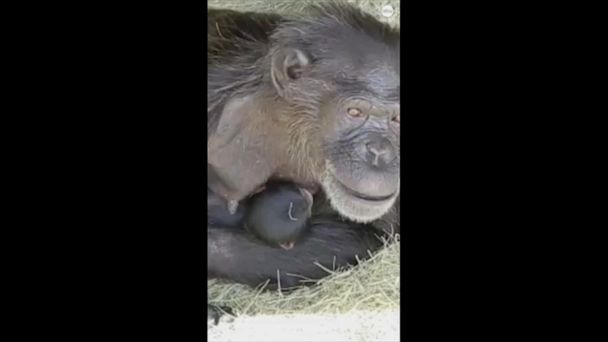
point(363, 196)
point(354, 205)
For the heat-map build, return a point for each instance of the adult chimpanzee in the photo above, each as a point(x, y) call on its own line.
point(314, 100)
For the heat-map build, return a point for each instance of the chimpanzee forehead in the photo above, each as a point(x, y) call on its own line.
point(356, 59)
point(356, 49)
point(381, 85)
point(357, 55)
point(373, 73)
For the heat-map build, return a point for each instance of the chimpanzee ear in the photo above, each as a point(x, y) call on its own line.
point(288, 64)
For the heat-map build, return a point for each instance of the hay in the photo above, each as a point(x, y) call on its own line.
point(340, 292)
point(374, 7)
point(360, 303)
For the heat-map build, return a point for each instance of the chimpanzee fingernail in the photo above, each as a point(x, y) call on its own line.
point(287, 245)
point(233, 206)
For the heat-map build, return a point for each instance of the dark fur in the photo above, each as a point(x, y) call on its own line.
point(331, 241)
point(229, 33)
point(238, 66)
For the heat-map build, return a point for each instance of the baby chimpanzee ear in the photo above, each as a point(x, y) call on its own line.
point(288, 64)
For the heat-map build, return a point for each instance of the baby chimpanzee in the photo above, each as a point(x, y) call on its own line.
point(277, 214)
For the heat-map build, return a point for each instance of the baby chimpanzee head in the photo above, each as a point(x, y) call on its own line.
point(279, 214)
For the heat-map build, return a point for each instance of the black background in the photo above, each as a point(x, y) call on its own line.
point(112, 169)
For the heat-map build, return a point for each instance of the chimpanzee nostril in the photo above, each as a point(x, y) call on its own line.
point(380, 152)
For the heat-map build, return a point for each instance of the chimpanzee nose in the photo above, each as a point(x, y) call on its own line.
point(380, 152)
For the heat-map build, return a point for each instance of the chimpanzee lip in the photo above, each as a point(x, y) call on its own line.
point(363, 196)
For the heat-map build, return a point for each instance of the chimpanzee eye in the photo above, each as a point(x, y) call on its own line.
point(354, 112)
